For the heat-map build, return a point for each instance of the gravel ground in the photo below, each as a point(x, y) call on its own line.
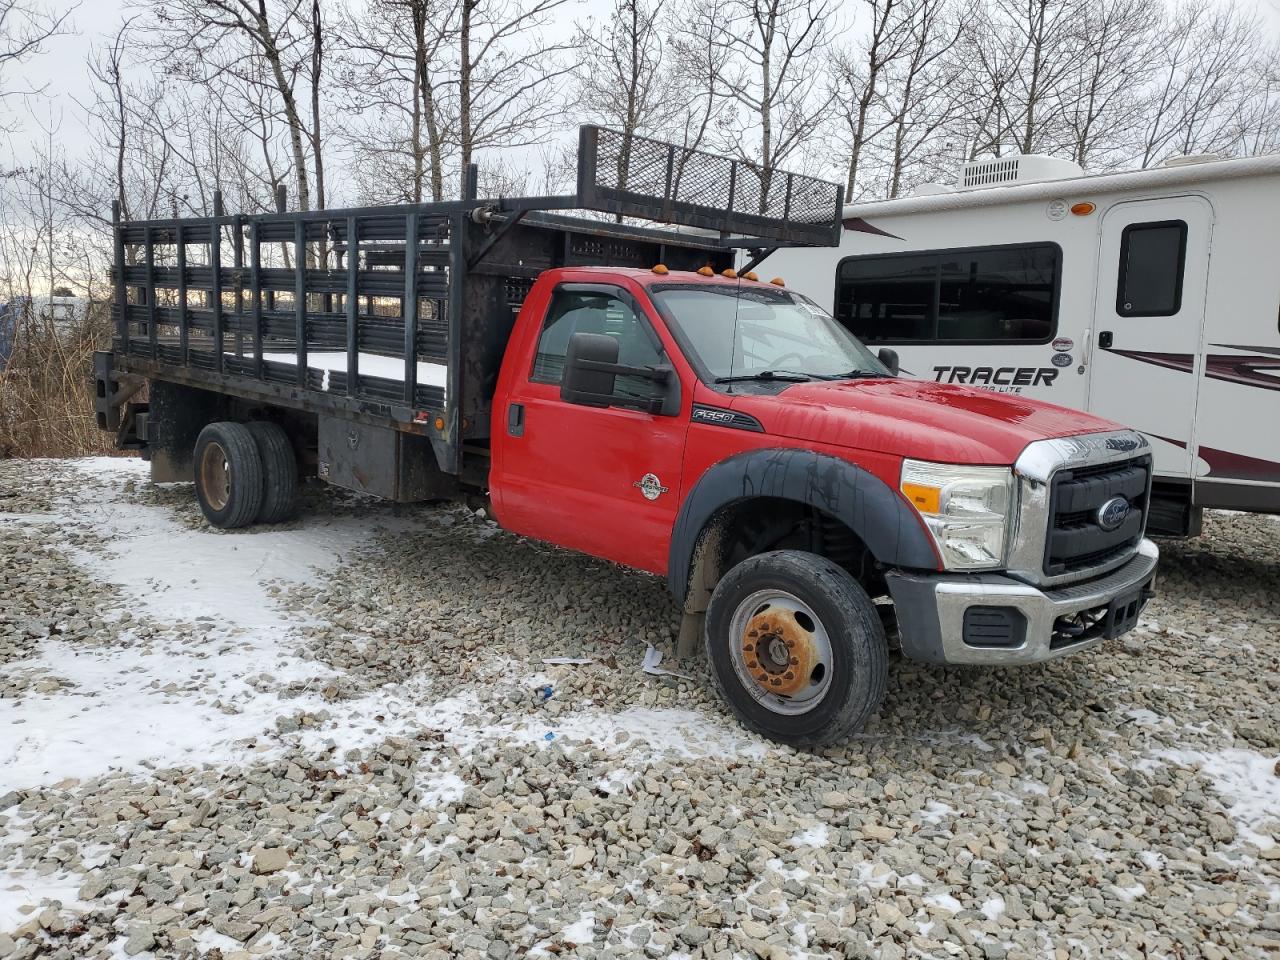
point(341, 737)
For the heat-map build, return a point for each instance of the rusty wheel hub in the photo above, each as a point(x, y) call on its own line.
point(781, 651)
point(215, 476)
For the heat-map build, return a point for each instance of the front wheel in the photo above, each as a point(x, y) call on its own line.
point(796, 647)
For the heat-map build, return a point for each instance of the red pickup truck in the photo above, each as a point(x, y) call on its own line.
point(674, 417)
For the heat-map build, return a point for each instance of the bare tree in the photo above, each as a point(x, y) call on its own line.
point(769, 55)
point(205, 42)
point(390, 53)
point(1116, 42)
point(1195, 105)
point(859, 76)
point(25, 28)
point(623, 80)
point(508, 74)
point(921, 95)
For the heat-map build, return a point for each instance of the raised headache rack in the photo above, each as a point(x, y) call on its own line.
point(399, 315)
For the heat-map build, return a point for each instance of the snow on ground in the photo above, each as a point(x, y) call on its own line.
point(179, 698)
point(207, 692)
point(1246, 782)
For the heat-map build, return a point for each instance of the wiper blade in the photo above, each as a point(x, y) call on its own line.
point(786, 376)
point(857, 375)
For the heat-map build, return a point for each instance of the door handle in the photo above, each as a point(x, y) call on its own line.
point(1104, 339)
point(515, 420)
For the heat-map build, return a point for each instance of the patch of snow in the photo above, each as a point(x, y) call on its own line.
point(207, 938)
point(441, 788)
point(1145, 718)
point(944, 901)
point(787, 873)
point(26, 888)
point(993, 908)
point(1246, 782)
point(935, 812)
point(815, 836)
point(1129, 894)
point(1154, 861)
point(180, 699)
point(581, 931)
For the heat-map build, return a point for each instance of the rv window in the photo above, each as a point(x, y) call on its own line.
point(979, 295)
point(888, 298)
point(1152, 256)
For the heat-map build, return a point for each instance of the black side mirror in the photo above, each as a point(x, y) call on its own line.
point(591, 369)
point(889, 358)
point(587, 378)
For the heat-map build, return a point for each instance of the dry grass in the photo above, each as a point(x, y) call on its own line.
point(46, 390)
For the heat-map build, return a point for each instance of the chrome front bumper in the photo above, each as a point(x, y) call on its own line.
point(931, 611)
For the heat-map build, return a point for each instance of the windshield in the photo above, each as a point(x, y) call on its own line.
point(747, 330)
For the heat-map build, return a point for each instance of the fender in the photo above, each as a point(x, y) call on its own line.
point(864, 502)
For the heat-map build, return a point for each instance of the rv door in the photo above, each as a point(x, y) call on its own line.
point(1144, 368)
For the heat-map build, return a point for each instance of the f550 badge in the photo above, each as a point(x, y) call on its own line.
point(650, 486)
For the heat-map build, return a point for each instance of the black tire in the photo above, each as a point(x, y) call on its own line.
point(279, 472)
point(855, 639)
point(228, 474)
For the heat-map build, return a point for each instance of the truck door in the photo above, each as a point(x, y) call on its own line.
point(605, 481)
point(1145, 363)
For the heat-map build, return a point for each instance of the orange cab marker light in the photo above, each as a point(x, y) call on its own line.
point(778, 282)
point(439, 423)
point(660, 269)
point(706, 271)
point(750, 275)
point(925, 499)
point(730, 273)
point(1083, 209)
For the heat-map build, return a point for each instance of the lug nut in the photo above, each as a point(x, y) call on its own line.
point(776, 682)
point(753, 664)
point(795, 661)
point(790, 675)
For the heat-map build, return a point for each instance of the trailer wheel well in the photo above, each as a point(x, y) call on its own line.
point(757, 525)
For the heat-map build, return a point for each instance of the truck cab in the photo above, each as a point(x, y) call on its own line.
point(620, 390)
point(730, 435)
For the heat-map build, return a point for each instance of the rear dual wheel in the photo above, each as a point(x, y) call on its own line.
point(796, 648)
point(245, 473)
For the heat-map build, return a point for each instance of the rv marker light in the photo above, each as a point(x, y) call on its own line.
point(1083, 209)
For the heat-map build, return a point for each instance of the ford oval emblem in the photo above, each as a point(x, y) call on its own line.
point(1113, 513)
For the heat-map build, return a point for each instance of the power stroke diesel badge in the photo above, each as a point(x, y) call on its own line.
point(650, 486)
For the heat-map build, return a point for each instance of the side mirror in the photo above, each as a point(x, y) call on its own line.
point(889, 358)
point(587, 378)
point(591, 370)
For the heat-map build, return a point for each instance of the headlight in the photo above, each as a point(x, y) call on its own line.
point(965, 508)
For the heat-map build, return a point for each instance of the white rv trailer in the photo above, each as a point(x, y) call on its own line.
point(1150, 297)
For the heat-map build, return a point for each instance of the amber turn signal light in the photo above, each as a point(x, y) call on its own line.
point(1083, 209)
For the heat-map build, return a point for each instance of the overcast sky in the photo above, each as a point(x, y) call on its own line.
point(61, 68)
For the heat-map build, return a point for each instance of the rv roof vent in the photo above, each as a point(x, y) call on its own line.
point(1023, 168)
point(1190, 158)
